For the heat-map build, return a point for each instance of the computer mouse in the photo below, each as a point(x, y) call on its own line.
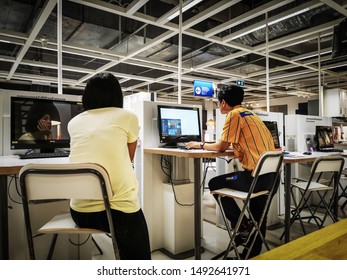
point(307, 153)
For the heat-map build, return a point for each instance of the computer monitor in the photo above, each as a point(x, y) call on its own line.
point(27, 130)
point(324, 136)
point(178, 124)
point(273, 128)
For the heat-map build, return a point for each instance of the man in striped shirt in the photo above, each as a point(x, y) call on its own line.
point(249, 138)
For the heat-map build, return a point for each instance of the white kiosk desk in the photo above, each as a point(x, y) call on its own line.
point(197, 155)
point(10, 165)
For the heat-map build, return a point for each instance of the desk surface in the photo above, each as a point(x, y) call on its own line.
point(193, 153)
point(329, 243)
point(12, 164)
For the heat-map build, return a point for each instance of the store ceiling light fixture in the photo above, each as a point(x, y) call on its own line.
point(270, 23)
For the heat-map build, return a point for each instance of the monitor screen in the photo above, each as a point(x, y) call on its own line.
point(272, 127)
point(324, 135)
point(178, 124)
point(41, 123)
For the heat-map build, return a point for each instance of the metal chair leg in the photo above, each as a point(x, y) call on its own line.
point(97, 246)
point(51, 248)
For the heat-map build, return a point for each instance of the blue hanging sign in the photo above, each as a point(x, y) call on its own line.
point(202, 88)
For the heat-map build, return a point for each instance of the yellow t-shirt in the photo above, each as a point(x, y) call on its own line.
point(101, 136)
point(248, 134)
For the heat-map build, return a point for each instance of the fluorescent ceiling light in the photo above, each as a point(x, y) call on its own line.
point(289, 16)
point(270, 23)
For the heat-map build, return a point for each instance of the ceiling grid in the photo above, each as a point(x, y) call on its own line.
point(137, 40)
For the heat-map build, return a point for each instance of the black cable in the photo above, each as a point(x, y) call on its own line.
point(29, 151)
point(166, 167)
point(13, 177)
point(16, 184)
point(80, 244)
point(227, 160)
point(209, 161)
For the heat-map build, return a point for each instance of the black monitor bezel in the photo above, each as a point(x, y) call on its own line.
point(42, 145)
point(275, 137)
point(182, 139)
point(328, 129)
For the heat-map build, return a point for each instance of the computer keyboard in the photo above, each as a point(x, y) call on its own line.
point(331, 151)
point(44, 155)
point(181, 145)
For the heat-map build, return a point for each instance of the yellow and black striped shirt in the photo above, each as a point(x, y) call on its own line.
point(248, 135)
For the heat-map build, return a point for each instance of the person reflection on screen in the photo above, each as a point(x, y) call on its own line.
point(107, 134)
point(39, 123)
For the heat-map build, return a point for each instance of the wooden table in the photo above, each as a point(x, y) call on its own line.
point(10, 165)
point(328, 243)
point(197, 155)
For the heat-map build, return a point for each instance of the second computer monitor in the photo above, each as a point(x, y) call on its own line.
point(272, 127)
point(178, 124)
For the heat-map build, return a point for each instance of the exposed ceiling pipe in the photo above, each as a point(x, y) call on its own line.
point(320, 86)
point(179, 84)
point(267, 65)
point(60, 49)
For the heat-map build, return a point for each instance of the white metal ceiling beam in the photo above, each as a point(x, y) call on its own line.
point(157, 40)
point(335, 6)
point(276, 18)
point(134, 6)
point(301, 34)
point(258, 11)
point(290, 40)
point(286, 67)
point(173, 13)
point(40, 21)
point(193, 21)
point(209, 12)
point(149, 19)
point(117, 10)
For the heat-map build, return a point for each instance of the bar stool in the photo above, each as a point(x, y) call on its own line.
point(325, 176)
point(64, 181)
point(269, 162)
point(343, 190)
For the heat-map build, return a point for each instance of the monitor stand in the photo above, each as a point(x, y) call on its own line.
point(171, 145)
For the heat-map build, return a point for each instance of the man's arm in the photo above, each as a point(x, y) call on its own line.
point(219, 146)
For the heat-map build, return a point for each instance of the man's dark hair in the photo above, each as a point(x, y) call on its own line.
point(102, 90)
point(233, 95)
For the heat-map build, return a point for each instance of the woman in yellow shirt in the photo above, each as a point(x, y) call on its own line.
point(107, 134)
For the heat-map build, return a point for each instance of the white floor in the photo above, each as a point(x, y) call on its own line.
point(216, 239)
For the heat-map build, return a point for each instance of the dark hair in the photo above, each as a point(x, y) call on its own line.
point(37, 111)
point(233, 95)
point(102, 90)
